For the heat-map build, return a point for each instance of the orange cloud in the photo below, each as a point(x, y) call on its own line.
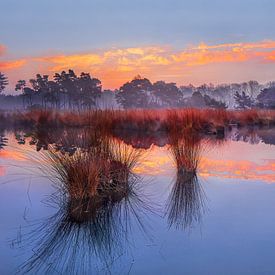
point(267, 44)
point(223, 53)
point(149, 57)
point(9, 65)
point(63, 62)
point(116, 65)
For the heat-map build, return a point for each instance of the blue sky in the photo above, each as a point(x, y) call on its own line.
point(31, 26)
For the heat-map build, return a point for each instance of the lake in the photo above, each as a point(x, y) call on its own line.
point(191, 205)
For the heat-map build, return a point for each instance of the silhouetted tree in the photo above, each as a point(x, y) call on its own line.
point(243, 101)
point(3, 82)
point(65, 90)
point(81, 92)
point(41, 87)
point(213, 103)
point(20, 85)
point(266, 99)
point(89, 90)
point(68, 84)
point(134, 94)
point(196, 100)
point(168, 93)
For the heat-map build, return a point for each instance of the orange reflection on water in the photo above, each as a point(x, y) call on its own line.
point(12, 154)
point(157, 162)
point(2, 171)
point(238, 169)
point(254, 163)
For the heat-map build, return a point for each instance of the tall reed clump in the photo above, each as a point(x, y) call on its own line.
point(98, 199)
point(140, 120)
point(181, 120)
point(94, 176)
point(186, 200)
point(217, 117)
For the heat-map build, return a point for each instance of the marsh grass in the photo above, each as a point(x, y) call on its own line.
point(94, 174)
point(108, 121)
point(99, 198)
point(62, 245)
point(186, 201)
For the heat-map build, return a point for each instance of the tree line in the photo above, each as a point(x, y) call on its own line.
point(67, 90)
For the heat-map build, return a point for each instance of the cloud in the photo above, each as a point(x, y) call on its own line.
point(224, 53)
point(63, 62)
point(202, 62)
point(10, 65)
point(160, 163)
point(163, 56)
point(242, 169)
point(157, 58)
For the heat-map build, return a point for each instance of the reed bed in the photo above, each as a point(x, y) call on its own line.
point(99, 198)
point(110, 121)
point(89, 169)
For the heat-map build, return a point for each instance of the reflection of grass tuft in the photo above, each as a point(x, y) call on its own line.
point(93, 176)
point(186, 200)
point(99, 200)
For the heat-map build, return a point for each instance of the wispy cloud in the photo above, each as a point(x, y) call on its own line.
point(117, 65)
point(164, 56)
point(10, 65)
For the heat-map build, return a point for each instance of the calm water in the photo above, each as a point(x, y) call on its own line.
point(217, 219)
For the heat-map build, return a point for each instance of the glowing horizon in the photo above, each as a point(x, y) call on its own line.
point(196, 64)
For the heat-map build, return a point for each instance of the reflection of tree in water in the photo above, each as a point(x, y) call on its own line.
point(65, 140)
point(186, 200)
point(98, 196)
point(3, 140)
point(246, 134)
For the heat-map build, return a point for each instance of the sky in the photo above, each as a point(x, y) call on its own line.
point(198, 41)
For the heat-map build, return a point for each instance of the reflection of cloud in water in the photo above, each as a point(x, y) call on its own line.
point(238, 169)
point(222, 161)
point(2, 171)
point(12, 154)
point(255, 162)
point(99, 199)
point(156, 163)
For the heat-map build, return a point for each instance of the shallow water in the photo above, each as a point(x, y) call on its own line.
point(221, 223)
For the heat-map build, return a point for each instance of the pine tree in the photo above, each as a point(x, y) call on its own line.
point(3, 82)
point(243, 101)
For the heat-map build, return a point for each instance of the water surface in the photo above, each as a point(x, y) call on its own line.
point(202, 206)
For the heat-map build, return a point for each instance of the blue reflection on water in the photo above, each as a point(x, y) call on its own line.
point(235, 235)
